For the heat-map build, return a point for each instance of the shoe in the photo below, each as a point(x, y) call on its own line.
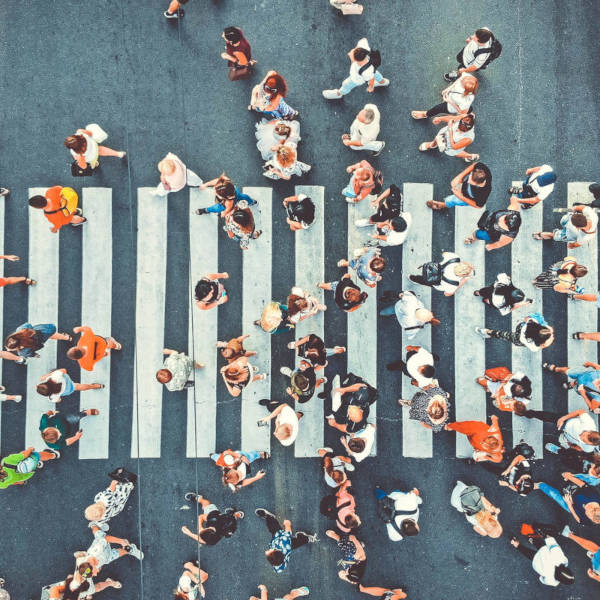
point(200, 211)
point(18, 398)
point(286, 371)
point(383, 83)
point(169, 15)
point(451, 76)
point(332, 95)
point(134, 551)
point(349, 467)
point(257, 323)
point(325, 380)
point(340, 263)
point(55, 452)
point(566, 531)
point(263, 513)
point(302, 591)
point(122, 154)
point(378, 152)
point(552, 448)
point(4, 191)
point(414, 279)
point(191, 497)
point(240, 514)
point(292, 345)
point(40, 465)
point(483, 332)
point(22, 361)
point(264, 402)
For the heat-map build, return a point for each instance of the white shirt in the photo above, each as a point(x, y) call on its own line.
point(368, 73)
point(364, 132)
point(367, 434)
point(396, 238)
point(457, 136)
point(406, 309)
point(469, 59)
point(575, 426)
point(541, 191)
point(91, 150)
point(56, 377)
point(405, 502)
point(448, 273)
point(456, 95)
point(288, 416)
point(546, 559)
point(420, 358)
point(338, 465)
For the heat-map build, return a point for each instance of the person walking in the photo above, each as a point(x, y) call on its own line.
point(91, 348)
point(286, 420)
point(350, 404)
point(410, 312)
point(577, 227)
point(455, 137)
point(518, 474)
point(561, 276)
point(19, 467)
point(430, 407)
point(400, 512)
point(354, 557)
point(447, 276)
point(383, 593)
point(300, 212)
point(485, 439)
point(481, 49)
point(478, 510)
point(303, 381)
point(419, 365)
point(334, 467)
point(291, 595)
point(58, 383)
point(227, 196)
point(364, 181)
point(283, 542)
point(60, 207)
point(235, 466)
point(284, 164)
point(348, 296)
point(503, 295)
point(457, 99)
point(28, 339)
point(239, 374)
point(533, 333)
point(499, 228)
point(191, 582)
point(275, 318)
point(270, 134)
point(358, 444)
point(240, 226)
point(367, 263)
point(586, 381)
point(210, 292)
point(506, 388)
point(593, 551)
point(175, 11)
point(60, 431)
point(471, 187)
point(364, 131)
point(268, 98)
point(238, 54)
point(312, 348)
point(537, 186)
point(177, 371)
point(389, 206)
point(302, 305)
point(111, 501)
point(364, 65)
point(234, 348)
point(86, 150)
point(4, 281)
point(174, 176)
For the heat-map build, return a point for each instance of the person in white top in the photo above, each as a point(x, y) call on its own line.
point(405, 517)
point(174, 176)
point(389, 233)
point(456, 99)
point(453, 274)
point(58, 383)
point(364, 131)
point(286, 420)
point(473, 56)
point(363, 69)
point(454, 138)
point(579, 431)
point(411, 314)
point(548, 560)
point(358, 444)
point(537, 186)
point(85, 146)
point(478, 510)
point(334, 467)
point(577, 227)
point(419, 366)
point(190, 585)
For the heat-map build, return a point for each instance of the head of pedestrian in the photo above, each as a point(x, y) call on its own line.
point(94, 512)
point(285, 156)
point(517, 296)
point(338, 476)
point(275, 557)
point(591, 437)
point(225, 190)
point(426, 316)
point(167, 166)
point(283, 129)
point(296, 304)
point(479, 175)
point(577, 270)
point(231, 477)
point(464, 269)
point(409, 528)
point(302, 382)
point(563, 574)
point(360, 54)
point(470, 84)
point(232, 35)
point(366, 115)
point(164, 376)
point(352, 521)
point(355, 296)
point(578, 220)
point(519, 408)
point(24, 338)
point(398, 224)
point(377, 264)
point(76, 353)
point(489, 523)
point(49, 388)
point(546, 178)
point(227, 352)
point(77, 143)
point(427, 371)
point(203, 289)
point(437, 410)
point(491, 443)
point(483, 35)
point(38, 202)
point(283, 431)
point(357, 445)
point(51, 435)
point(86, 569)
point(275, 85)
point(592, 511)
point(467, 122)
point(355, 413)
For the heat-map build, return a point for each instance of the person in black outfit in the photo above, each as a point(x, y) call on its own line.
point(499, 228)
point(347, 294)
point(213, 524)
point(518, 475)
point(351, 404)
point(312, 348)
point(503, 295)
point(389, 205)
point(470, 187)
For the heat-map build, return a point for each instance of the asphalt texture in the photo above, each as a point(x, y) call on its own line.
point(159, 86)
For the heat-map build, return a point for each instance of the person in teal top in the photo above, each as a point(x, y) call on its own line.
point(16, 469)
point(60, 431)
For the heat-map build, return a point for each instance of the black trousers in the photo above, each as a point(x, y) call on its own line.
point(439, 109)
point(542, 415)
point(299, 539)
point(419, 279)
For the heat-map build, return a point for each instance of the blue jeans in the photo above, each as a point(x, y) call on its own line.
point(241, 196)
point(388, 311)
point(555, 495)
point(348, 191)
point(217, 207)
point(348, 85)
point(452, 200)
point(252, 455)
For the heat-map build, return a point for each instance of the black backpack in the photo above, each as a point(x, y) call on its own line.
point(374, 61)
point(433, 272)
point(494, 51)
point(386, 509)
point(225, 523)
point(471, 500)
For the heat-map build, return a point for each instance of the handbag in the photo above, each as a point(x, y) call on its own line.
point(98, 134)
point(77, 171)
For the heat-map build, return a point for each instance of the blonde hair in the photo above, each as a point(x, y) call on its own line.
point(470, 84)
point(463, 269)
point(167, 166)
point(94, 511)
point(489, 523)
point(286, 156)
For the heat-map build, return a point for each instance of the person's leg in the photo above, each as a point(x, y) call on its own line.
point(554, 494)
point(418, 279)
point(13, 280)
point(388, 311)
point(375, 146)
point(104, 151)
point(112, 344)
point(526, 551)
point(271, 522)
point(173, 7)
point(373, 590)
point(452, 201)
point(160, 190)
point(84, 387)
point(500, 335)
point(438, 109)
point(380, 494)
point(585, 544)
point(13, 397)
point(61, 336)
point(241, 196)
point(252, 455)
point(192, 179)
point(542, 415)
point(347, 86)
point(335, 350)
point(380, 79)
point(300, 539)
point(45, 455)
point(99, 586)
point(217, 207)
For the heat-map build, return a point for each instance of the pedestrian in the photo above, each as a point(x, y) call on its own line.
point(389, 206)
point(268, 98)
point(575, 461)
point(174, 176)
point(240, 226)
point(234, 348)
point(457, 99)
point(5, 397)
point(364, 131)
point(175, 11)
point(210, 292)
point(430, 407)
point(498, 228)
point(354, 559)
point(383, 593)
point(364, 65)
point(283, 542)
point(86, 150)
point(60, 207)
point(334, 467)
point(271, 134)
point(410, 312)
point(303, 381)
point(503, 295)
point(348, 296)
point(177, 371)
point(17, 468)
point(312, 348)
point(191, 582)
point(585, 381)
point(485, 439)
point(518, 475)
point(455, 137)
point(341, 507)
point(284, 164)
point(27, 339)
point(62, 590)
point(238, 54)
point(286, 420)
point(300, 212)
point(91, 348)
point(580, 431)
point(593, 551)
point(58, 383)
point(481, 49)
point(367, 263)
point(533, 333)
point(213, 524)
point(291, 595)
point(238, 374)
point(235, 466)
point(275, 318)
point(358, 444)
point(302, 305)
point(400, 512)
point(111, 501)
point(419, 365)
point(60, 431)
point(447, 276)
point(547, 558)
point(471, 187)
point(364, 181)
point(577, 227)
point(350, 404)
point(227, 196)
point(594, 336)
point(509, 391)
point(347, 7)
point(393, 232)
point(4, 281)
point(537, 186)
point(478, 510)
point(561, 276)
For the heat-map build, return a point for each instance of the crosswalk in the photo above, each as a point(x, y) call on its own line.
point(148, 396)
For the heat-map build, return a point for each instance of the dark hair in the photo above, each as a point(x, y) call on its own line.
point(233, 34)
point(594, 437)
point(479, 175)
point(276, 82)
point(357, 445)
point(483, 35)
point(522, 388)
point(517, 295)
point(409, 527)
point(468, 120)
point(519, 408)
point(578, 271)
point(301, 382)
point(378, 264)
point(525, 485)
point(74, 594)
point(77, 143)
point(398, 224)
point(203, 288)
point(296, 304)
point(75, 353)
point(48, 388)
point(241, 217)
point(225, 190)
point(352, 521)
point(563, 574)
point(38, 201)
point(24, 338)
point(539, 333)
point(428, 371)
point(513, 221)
point(360, 53)
point(579, 219)
point(275, 558)
point(209, 536)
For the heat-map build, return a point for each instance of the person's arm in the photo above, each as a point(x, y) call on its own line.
point(11, 257)
point(251, 480)
point(274, 414)
point(111, 539)
point(168, 351)
point(351, 388)
point(489, 506)
point(515, 461)
point(569, 501)
point(215, 276)
point(443, 119)
point(504, 240)
point(381, 197)
point(279, 173)
point(81, 329)
point(352, 168)
point(27, 452)
point(332, 423)
point(75, 438)
point(561, 420)
point(460, 144)
point(210, 183)
point(289, 199)
point(302, 341)
point(574, 479)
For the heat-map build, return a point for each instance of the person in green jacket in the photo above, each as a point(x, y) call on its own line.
point(16, 469)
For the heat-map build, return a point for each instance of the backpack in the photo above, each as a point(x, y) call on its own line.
point(374, 61)
point(327, 506)
point(386, 509)
point(378, 186)
point(433, 272)
point(494, 51)
point(471, 500)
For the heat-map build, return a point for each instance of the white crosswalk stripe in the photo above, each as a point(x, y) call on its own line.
point(202, 410)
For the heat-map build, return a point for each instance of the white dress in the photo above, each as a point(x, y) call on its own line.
point(267, 138)
point(298, 168)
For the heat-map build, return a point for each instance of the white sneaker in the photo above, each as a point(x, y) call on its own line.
point(286, 371)
point(362, 223)
point(292, 345)
point(349, 467)
point(18, 398)
point(332, 94)
point(135, 551)
point(566, 531)
point(382, 83)
point(483, 332)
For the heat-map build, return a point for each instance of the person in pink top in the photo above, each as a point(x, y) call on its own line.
point(174, 176)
